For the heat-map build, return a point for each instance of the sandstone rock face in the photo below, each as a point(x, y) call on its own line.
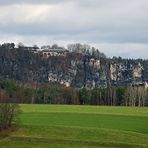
point(70, 68)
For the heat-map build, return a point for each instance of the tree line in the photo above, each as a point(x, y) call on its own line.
point(46, 93)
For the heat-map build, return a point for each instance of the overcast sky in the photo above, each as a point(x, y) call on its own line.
point(116, 27)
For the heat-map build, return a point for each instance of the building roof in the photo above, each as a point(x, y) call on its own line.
point(55, 50)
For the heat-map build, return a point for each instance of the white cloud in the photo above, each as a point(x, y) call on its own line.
point(26, 14)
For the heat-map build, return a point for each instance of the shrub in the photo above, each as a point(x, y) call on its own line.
point(8, 114)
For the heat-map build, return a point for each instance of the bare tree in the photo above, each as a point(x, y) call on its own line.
point(8, 114)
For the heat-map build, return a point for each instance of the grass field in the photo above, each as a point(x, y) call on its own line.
point(45, 126)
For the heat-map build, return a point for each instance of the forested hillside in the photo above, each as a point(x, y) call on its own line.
point(81, 66)
point(79, 75)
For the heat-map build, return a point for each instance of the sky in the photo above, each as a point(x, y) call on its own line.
point(115, 27)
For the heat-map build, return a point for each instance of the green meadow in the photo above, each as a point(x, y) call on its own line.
point(69, 126)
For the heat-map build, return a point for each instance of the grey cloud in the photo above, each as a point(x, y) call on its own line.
point(92, 21)
point(108, 34)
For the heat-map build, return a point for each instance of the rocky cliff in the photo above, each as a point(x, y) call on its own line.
point(72, 68)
